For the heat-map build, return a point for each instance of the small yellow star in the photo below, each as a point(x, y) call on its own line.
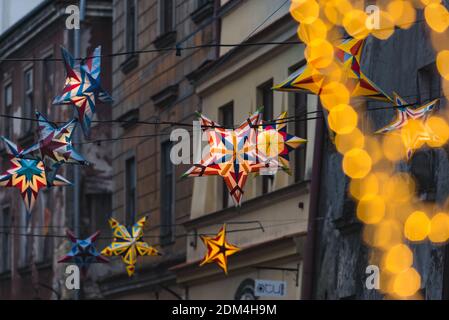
point(218, 249)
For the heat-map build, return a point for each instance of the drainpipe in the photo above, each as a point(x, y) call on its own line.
point(308, 277)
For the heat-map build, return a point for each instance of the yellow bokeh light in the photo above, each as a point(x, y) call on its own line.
point(440, 130)
point(334, 94)
point(398, 259)
point(270, 143)
point(360, 188)
point(417, 226)
point(343, 119)
point(314, 30)
point(346, 142)
point(399, 188)
point(439, 228)
point(407, 283)
point(442, 62)
point(354, 22)
point(319, 53)
point(372, 146)
point(403, 13)
point(371, 209)
point(357, 163)
point(393, 147)
point(437, 17)
point(387, 234)
point(386, 26)
point(304, 11)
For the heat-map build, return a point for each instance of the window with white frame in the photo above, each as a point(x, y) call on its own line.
point(7, 109)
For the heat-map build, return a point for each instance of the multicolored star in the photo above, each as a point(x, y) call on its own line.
point(129, 244)
point(274, 144)
point(404, 112)
point(232, 154)
point(83, 252)
point(27, 175)
point(218, 249)
point(83, 87)
point(348, 55)
point(54, 146)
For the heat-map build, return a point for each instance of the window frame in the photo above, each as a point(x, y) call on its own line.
point(8, 109)
point(167, 230)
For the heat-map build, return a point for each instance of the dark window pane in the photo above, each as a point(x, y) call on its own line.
point(5, 240)
point(167, 194)
point(167, 17)
point(131, 25)
point(130, 190)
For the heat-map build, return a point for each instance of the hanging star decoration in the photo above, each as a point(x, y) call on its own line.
point(218, 249)
point(129, 244)
point(54, 147)
point(83, 87)
point(348, 55)
point(83, 252)
point(411, 124)
point(27, 175)
point(274, 144)
point(232, 154)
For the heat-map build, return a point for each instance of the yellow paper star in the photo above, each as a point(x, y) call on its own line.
point(129, 244)
point(218, 249)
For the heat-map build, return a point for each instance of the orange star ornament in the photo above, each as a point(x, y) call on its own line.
point(218, 249)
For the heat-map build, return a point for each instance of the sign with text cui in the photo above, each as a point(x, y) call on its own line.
point(270, 288)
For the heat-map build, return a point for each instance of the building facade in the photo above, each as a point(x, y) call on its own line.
point(29, 81)
point(405, 63)
point(274, 214)
point(153, 87)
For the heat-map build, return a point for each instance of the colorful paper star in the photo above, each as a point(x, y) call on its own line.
point(54, 146)
point(274, 144)
point(27, 175)
point(83, 252)
point(348, 55)
point(404, 112)
point(218, 249)
point(129, 244)
point(83, 87)
point(232, 154)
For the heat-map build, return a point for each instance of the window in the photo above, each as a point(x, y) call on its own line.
point(429, 83)
point(131, 182)
point(226, 117)
point(265, 96)
point(7, 123)
point(131, 25)
point(300, 101)
point(5, 222)
point(166, 16)
point(167, 194)
point(27, 100)
point(423, 162)
point(48, 77)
